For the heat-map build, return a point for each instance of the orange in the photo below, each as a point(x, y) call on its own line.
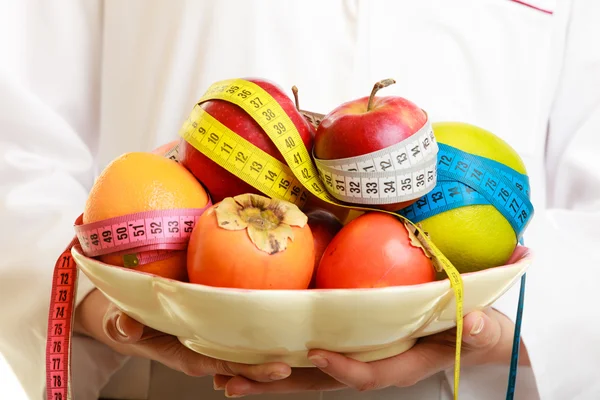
point(138, 182)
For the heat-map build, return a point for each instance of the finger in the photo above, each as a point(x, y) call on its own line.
point(438, 352)
point(120, 327)
point(303, 379)
point(195, 364)
point(220, 381)
point(169, 351)
point(268, 372)
point(481, 331)
point(355, 374)
point(403, 370)
point(430, 356)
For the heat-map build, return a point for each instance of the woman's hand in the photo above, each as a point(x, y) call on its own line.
point(97, 317)
point(487, 339)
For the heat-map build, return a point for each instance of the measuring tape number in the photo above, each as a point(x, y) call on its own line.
point(149, 233)
point(466, 179)
point(402, 172)
point(246, 161)
point(141, 238)
point(273, 120)
point(60, 323)
point(222, 145)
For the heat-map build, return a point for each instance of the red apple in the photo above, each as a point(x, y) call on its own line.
point(324, 225)
point(219, 182)
point(367, 125)
point(374, 250)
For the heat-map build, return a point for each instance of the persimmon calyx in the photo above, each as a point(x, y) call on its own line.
point(419, 241)
point(268, 221)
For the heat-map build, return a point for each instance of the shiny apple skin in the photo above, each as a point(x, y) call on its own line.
point(219, 182)
point(350, 130)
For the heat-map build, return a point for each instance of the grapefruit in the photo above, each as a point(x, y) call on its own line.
point(138, 182)
point(474, 237)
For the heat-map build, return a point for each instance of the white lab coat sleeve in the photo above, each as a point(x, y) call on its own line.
point(560, 323)
point(50, 60)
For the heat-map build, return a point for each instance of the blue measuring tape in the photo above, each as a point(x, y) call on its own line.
point(465, 179)
point(514, 359)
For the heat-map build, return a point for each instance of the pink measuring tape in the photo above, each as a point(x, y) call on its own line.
point(140, 238)
point(149, 234)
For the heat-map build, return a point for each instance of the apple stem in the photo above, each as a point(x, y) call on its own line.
point(378, 85)
point(295, 91)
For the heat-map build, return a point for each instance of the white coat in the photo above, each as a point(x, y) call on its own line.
point(84, 81)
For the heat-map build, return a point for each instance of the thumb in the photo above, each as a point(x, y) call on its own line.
point(480, 331)
point(120, 327)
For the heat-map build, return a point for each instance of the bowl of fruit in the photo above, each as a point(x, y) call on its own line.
point(266, 231)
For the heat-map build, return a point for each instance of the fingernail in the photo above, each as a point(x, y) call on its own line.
point(276, 376)
point(118, 326)
point(233, 396)
point(319, 361)
point(477, 327)
point(216, 386)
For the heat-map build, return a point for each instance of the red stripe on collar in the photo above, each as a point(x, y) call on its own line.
point(532, 6)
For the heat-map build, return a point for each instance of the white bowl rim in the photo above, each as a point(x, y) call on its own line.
point(527, 257)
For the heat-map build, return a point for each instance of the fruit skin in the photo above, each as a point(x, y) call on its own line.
point(476, 237)
point(219, 182)
point(324, 226)
point(226, 258)
point(350, 130)
point(314, 203)
point(137, 182)
point(164, 148)
point(374, 250)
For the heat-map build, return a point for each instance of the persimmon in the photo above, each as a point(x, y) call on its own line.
point(252, 242)
point(374, 250)
point(324, 225)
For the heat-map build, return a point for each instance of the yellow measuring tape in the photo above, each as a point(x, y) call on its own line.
point(278, 180)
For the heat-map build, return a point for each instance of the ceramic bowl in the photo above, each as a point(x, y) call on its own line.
point(257, 326)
